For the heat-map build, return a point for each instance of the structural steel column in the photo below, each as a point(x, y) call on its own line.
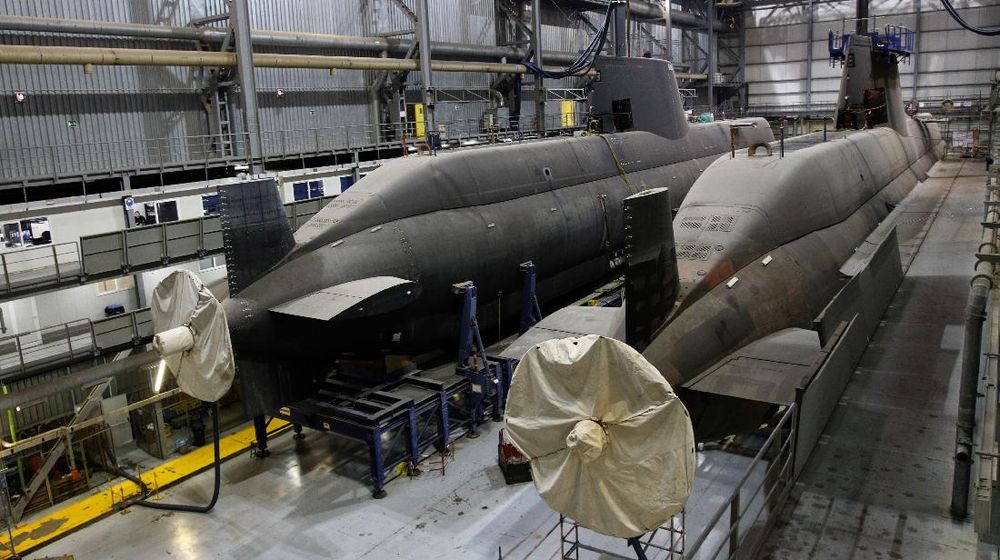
point(915, 57)
point(862, 16)
point(536, 17)
point(621, 33)
point(713, 55)
point(426, 78)
point(743, 93)
point(809, 55)
point(239, 17)
point(667, 23)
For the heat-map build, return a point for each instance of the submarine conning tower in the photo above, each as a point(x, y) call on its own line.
point(639, 94)
point(869, 90)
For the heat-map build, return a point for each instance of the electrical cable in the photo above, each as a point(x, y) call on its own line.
point(141, 499)
point(977, 30)
point(618, 164)
point(587, 58)
point(218, 476)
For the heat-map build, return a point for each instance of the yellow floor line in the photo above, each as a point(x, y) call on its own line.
point(29, 536)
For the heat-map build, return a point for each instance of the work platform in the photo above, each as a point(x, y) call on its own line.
point(877, 485)
point(44, 268)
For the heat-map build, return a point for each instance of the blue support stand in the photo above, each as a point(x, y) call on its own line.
point(489, 377)
point(472, 355)
point(531, 313)
point(377, 464)
point(259, 449)
point(412, 446)
point(444, 430)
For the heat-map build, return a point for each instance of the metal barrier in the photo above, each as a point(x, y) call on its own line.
point(748, 513)
point(665, 542)
point(42, 264)
point(144, 248)
point(57, 346)
point(987, 520)
point(117, 253)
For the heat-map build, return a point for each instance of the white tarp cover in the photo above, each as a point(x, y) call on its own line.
point(206, 371)
point(611, 446)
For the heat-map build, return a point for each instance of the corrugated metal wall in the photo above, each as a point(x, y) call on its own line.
point(118, 116)
point(951, 61)
point(103, 118)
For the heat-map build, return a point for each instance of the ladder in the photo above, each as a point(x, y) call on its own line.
point(224, 130)
point(89, 405)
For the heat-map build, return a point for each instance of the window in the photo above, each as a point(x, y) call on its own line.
point(210, 204)
point(36, 230)
point(208, 263)
point(166, 211)
point(33, 231)
point(12, 235)
point(307, 190)
point(115, 285)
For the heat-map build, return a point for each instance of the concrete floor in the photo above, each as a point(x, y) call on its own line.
point(305, 502)
point(877, 486)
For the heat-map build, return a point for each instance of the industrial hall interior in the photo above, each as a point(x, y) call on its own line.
point(500, 279)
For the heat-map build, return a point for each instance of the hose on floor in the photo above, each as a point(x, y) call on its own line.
point(143, 498)
point(218, 476)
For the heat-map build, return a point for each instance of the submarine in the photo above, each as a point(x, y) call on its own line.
point(762, 243)
point(372, 273)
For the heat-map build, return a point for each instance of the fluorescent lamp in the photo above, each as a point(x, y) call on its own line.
point(159, 376)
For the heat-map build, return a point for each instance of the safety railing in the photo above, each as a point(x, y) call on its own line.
point(143, 248)
point(95, 158)
point(39, 265)
point(51, 347)
point(740, 524)
point(987, 441)
point(764, 109)
point(116, 253)
point(108, 158)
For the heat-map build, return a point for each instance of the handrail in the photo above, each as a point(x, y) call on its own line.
point(51, 352)
point(731, 505)
point(110, 157)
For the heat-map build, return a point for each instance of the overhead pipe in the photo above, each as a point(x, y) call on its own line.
point(975, 314)
point(80, 378)
point(391, 45)
point(33, 54)
point(89, 56)
point(645, 11)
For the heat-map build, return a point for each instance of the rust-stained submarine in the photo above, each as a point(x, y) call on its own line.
point(762, 241)
point(763, 244)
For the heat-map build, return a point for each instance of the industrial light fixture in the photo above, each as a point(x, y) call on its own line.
point(160, 370)
point(20, 96)
point(27, 405)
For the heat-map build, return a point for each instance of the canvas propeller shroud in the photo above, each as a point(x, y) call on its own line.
point(206, 370)
point(611, 446)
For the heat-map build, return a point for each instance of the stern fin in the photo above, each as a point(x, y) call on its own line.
point(255, 230)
